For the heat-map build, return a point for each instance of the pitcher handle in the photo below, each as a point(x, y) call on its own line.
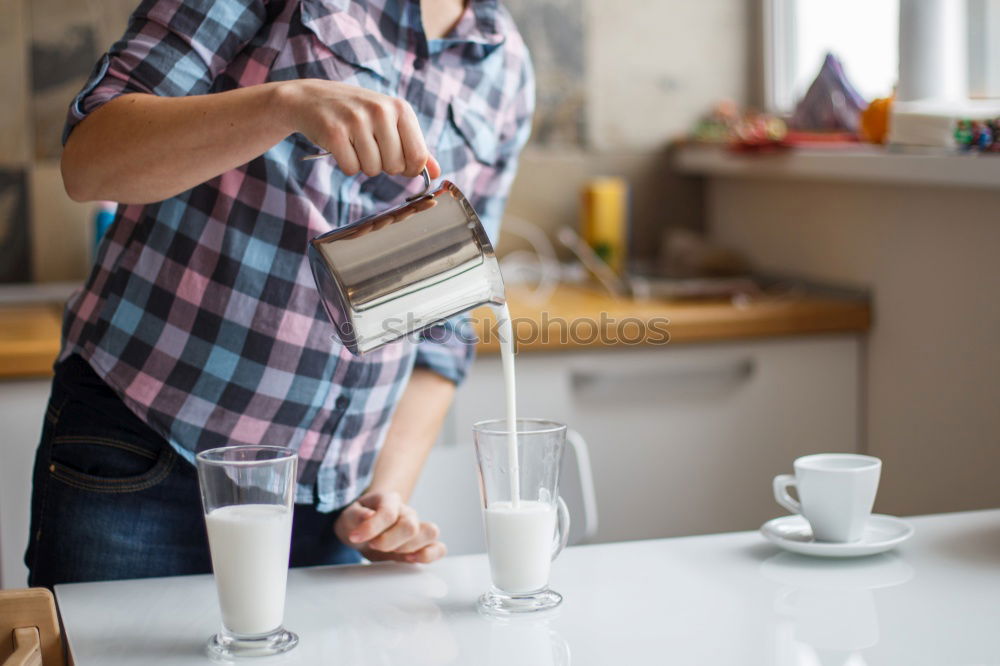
point(562, 528)
point(427, 186)
point(424, 173)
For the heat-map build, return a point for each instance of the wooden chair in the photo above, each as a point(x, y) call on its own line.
point(29, 629)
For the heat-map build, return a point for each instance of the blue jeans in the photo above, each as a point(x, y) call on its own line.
point(112, 499)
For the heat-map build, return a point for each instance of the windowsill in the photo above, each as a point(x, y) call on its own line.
point(863, 164)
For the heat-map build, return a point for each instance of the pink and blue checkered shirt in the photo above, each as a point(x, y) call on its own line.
point(201, 311)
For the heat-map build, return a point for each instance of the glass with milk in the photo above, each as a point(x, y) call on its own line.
point(526, 521)
point(247, 493)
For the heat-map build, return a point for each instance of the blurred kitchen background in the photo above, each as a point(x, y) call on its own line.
point(825, 252)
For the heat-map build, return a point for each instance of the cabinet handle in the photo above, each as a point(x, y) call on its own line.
point(682, 379)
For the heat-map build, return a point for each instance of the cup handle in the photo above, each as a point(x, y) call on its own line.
point(562, 528)
point(781, 484)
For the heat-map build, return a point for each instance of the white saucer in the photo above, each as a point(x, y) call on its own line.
point(793, 533)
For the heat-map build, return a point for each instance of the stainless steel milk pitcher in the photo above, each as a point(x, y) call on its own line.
point(397, 272)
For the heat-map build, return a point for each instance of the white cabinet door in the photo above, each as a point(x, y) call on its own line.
point(683, 439)
point(543, 391)
point(686, 439)
point(22, 408)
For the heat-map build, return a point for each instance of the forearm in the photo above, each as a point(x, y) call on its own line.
point(141, 148)
point(414, 429)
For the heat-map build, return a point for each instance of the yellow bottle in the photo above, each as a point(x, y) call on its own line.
point(604, 219)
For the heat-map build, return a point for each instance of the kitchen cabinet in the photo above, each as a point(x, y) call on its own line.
point(22, 408)
point(683, 439)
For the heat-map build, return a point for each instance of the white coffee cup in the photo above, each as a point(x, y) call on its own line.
point(836, 493)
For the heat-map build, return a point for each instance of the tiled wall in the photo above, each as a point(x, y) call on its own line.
point(615, 82)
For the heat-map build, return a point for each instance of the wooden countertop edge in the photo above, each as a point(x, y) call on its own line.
point(708, 322)
point(33, 365)
point(29, 339)
point(695, 334)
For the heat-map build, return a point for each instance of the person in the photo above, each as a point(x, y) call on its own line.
point(200, 325)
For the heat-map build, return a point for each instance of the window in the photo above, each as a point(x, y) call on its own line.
point(864, 34)
point(984, 48)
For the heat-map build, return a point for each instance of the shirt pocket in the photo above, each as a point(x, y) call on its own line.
point(477, 133)
point(342, 48)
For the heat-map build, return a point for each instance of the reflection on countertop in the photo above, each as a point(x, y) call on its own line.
point(826, 611)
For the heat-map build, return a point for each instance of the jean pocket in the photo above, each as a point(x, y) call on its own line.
point(88, 453)
point(106, 464)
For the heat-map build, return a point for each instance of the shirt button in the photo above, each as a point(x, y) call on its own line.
point(343, 401)
point(419, 63)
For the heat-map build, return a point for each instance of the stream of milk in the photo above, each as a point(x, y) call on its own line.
point(506, 332)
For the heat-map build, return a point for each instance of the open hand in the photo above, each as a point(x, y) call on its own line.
point(382, 527)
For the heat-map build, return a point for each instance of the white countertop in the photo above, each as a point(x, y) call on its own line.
point(707, 600)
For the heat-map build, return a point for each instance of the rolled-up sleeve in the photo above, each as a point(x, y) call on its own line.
point(171, 48)
point(449, 348)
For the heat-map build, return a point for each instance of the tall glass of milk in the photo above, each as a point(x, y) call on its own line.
point(247, 493)
point(527, 523)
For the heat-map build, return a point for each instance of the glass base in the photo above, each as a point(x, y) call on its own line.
point(500, 603)
point(226, 646)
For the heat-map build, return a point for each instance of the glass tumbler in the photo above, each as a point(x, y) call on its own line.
point(247, 493)
point(526, 522)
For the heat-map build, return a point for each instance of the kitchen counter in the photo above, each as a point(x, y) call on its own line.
point(29, 333)
point(29, 339)
point(630, 322)
point(724, 599)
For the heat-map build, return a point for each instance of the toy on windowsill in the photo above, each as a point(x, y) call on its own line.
point(995, 127)
point(874, 126)
point(748, 131)
point(741, 130)
point(981, 136)
point(831, 104)
point(759, 132)
point(717, 125)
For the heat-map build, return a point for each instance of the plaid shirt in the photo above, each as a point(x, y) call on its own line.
point(201, 311)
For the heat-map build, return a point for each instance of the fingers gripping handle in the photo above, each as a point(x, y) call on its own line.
point(426, 175)
point(781, 484)
point(562, 528)
point(427, 186)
